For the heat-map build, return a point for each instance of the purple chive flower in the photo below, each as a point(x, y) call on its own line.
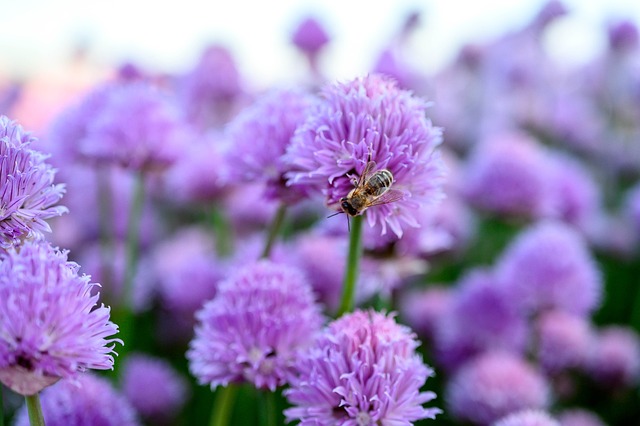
point(563, 340)
point(259, 137)
point(579, 417)
point(50, 324)
point(198, 174)
point(362, 370)
point(493, 385)
point(615, 358)
point(153, 387)
point(186, 269)
point(507, 175)
point(254, 328)
point(423, 309)
point(549, 266)
point(208, 92)
point(623, 36)
point(527, 418)
point(370, 116)
point(88, 400)
point(577, 199)
point(481, 305)
point(27, 193)
point(138, 128)
point(310, 36)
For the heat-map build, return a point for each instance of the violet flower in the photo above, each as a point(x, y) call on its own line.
point(549, 266)
point(362, 370)
point(254, 328)
point(493, 385)
point(370, 117)
point(259, 137)
point(88, 400)
point(138, 128)
point(27, 193)
point(527, 418)
point(153, 387)
point(50, 324)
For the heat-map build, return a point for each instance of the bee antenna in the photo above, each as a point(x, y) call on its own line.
point(332, 215)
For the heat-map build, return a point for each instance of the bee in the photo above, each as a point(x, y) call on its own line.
point(371, 189)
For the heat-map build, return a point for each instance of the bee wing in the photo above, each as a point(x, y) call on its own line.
point(366, 172)
point(391, 196)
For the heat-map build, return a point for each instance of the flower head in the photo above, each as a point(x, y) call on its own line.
point(481, 305)
point(254, 328)
point(88, 400)
point(549, 266)
point(527, 418)
point(259, 137)
point(50, 324)
point(362, 370)
point(310, 36)
point(493, 385)
point(579, 417)
point(154, 388)
point(564, 340)
point(138, 128)
point(506, 175)
point(27, 193)
point(370, 117)
point(615, 359)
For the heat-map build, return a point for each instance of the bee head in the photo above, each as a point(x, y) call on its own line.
point(347, 207)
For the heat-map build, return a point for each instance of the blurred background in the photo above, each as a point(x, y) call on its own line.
point(63, 47)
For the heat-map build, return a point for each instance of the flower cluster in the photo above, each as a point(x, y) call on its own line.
point(362, 370)
point(50, 324)
point(28, 196)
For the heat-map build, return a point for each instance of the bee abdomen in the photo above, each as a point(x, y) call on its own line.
point(380, 182)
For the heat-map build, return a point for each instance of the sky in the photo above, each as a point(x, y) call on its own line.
point(168, 36)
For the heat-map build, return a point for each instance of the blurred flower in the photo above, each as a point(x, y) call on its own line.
point(254, 328)
point(259, 137)
point(507, 175)
point(623, 35)
point(139, 128)
point(27, 192)
point(564, 340)
point(549, 266)
point(185, 269)
point(527, 418)
point(362, 370)
point(198, 174)
point(615, 358)
point(207, 93)
point(423, 309)
point(481, 305)
point(310, 36)
point(370, 116)
point(153, 387)
point(576, 197)
point(494, 385)
point(579, 417)
point(50, 324)
point(88, 400)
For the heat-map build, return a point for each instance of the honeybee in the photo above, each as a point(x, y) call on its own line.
point(371, 189)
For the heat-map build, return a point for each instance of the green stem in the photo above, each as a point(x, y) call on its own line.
point(353, 263)
point(35, 410)
point(274, 230)
point(269, 404)
point(1, 407)
point(222, 231)
point(133, 238)
point(223, 405)
point(105, 217)
point(123, 315)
